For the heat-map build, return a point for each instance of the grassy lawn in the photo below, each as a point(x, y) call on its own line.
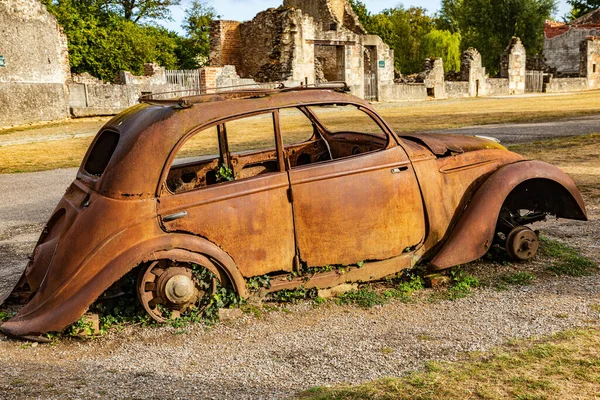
point(404, 117)
point(564, 366)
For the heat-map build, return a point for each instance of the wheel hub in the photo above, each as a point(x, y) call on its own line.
point(180, 289)
point(522, 243)
point(167, 289)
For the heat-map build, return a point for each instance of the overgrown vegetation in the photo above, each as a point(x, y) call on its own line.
point(564, 366)
point(488, 26)
point(105, 37)
point(462, 284)
point(566, 260)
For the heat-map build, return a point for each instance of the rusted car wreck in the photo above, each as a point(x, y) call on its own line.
point(255, 182)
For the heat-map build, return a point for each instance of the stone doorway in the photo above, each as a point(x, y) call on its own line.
point(370, 72)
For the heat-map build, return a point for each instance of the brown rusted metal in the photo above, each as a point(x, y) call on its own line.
point(337, 199)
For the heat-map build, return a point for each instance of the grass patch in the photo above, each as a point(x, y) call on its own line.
point(462, 284)
point(564, 366)
point(520, 278)
point(366, 297)
point(566, 260)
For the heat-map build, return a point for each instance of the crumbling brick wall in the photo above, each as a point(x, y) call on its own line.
point(36, 64)
point(225, 44)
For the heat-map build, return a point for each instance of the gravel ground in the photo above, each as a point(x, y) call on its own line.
point(282, 353)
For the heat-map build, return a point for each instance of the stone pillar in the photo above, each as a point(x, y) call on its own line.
point(208, 78)
point(473, 72)
point(590, 60)
point(435, 78)
point(512, 66)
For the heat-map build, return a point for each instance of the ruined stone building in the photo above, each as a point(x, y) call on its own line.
point(566, 44)
point(305, 41)
point(34, 64)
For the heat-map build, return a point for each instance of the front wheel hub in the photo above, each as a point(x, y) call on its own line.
point(522, 243)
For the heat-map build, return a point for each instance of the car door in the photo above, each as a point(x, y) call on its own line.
point(238, 199)
point(363, 202)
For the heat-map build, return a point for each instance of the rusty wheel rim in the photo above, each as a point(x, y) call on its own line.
point(167, 290)
point(522, 243)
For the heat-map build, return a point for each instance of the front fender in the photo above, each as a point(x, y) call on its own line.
point(472, 236)
point(54, 311)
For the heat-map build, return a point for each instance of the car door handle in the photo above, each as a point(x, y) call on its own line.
point(173, 217)
point(399, 169)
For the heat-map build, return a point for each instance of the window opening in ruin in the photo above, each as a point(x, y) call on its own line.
point(101, 153)
point(146, 94)
point(477, 88)
point(594, 68)
point(431, 92)
point(331, 60)
point(333, 26)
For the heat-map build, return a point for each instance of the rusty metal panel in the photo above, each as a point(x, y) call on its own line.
point(359, 208)
point(473, 235)
point(449, 183)
point(249, 219)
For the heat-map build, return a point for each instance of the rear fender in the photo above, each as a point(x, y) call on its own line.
point(55, 311)
point(517, 183)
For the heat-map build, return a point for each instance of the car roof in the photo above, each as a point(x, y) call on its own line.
point(149, 131)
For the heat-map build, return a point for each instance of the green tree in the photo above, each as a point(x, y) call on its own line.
point(581, 7)
point(444, 44)
point(196, 24)
point(402, 29)
point(488, 25)
point(103, 43)
point(138, 10)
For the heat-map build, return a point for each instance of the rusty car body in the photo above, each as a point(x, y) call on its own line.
point(371, 200)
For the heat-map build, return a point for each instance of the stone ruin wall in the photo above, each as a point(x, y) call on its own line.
point(268, 43)
point(37, 65)
point(562, 46)
point(329, 14)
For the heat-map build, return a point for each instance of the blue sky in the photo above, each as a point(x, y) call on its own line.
point(242, 10)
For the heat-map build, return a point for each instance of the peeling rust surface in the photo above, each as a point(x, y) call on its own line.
point(338, 198)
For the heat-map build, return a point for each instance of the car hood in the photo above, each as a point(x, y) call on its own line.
point(447, 144)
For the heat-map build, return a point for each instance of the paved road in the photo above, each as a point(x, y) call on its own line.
point(27, 200)
point(523, 133)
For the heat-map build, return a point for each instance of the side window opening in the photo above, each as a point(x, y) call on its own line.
point(101, 153)
point(302, 141)
point(344, 131)
point(251, 143)
point(233, 150)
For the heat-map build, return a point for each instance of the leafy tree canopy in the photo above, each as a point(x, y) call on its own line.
point(444, 44)
point(103, 42)
point(581, 7)
point(197, 27)
point(488, 25)
point(136, 10)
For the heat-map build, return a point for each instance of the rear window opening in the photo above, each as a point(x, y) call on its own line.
point(101, 153)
